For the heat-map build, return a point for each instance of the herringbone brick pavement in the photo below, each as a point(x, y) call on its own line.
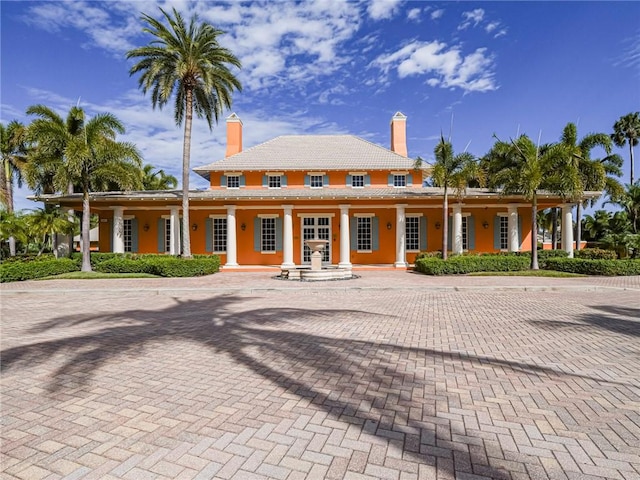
point(332, 384)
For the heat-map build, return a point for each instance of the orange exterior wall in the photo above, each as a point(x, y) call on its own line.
point(246, 255)
point(337, 179)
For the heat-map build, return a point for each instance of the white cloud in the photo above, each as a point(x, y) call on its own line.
point(414, 14)
point(444, 66)
point(630, 56)
point(383, 9)
point(436, 14)
point(270, 38)
point(471, 17)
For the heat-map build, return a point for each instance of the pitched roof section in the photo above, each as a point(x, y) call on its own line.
point(311, 152)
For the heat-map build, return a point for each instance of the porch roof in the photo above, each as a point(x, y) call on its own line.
point(290, 194)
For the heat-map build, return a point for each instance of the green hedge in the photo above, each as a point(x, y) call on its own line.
point(595, 267)
point(462, 264)
point(595, 254)
point(162, 265)
point(16, 271)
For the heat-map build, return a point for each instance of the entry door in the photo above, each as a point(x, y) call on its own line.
point(316, 228)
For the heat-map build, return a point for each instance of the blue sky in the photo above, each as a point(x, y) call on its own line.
point(341, 67)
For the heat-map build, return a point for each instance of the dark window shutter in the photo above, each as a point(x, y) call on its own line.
point(353, 233)
point(256, 234)
point(423, 234)
point(519, 232)
point(409, 179)
point(307, 180)
point(242, 181)
point(208, 235)
point(471, 232)
point(223, 181)
point(390, 180)
point(349, 181)
point(278, 234)
point(375, 240)
point(496, 232)
point(283, 181)
point(449, 232)
point(265, 181)
point(161, 227)
point(367, 180)
point(325, 180)
point(134, 235)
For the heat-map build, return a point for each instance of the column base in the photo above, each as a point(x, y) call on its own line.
point(345, 265)
point(230, 265)
point(288, 265)
point(400, 265)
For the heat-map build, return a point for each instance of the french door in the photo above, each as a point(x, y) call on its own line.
point(316, 228)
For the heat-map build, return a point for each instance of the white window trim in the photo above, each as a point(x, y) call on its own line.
point(315, 215)
point(268, 215)
point(415, 215)
point(316, 173)
point(232, 174)
point(504, 215)
point(219, 217)
point(128, 217)
point(274, 174)
point(357, 173)
point(233, 188)
point(321, 175)
point(363, 175)
point(364, 215)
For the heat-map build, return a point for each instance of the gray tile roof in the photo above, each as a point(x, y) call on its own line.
point(311, 152)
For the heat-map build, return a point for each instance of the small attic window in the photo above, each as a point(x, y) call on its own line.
point(233, 181)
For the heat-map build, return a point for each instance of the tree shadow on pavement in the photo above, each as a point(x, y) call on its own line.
point(391, 391)
point(612, 318)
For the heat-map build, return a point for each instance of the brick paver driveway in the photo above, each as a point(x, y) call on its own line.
point(345, 382)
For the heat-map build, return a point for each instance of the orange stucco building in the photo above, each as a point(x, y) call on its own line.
point(263, 203)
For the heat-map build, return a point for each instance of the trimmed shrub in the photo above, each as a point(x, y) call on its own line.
point(463, 264)
point(595, 254)
point(420, 255)
point(607, 268)
point(123, 264)
point(161, 265)
point(17, 271)
point(183, 267)
point(545, 255)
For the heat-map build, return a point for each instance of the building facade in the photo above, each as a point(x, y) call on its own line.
point(368, 201)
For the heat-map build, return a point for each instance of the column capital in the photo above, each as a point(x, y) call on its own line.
point(344, 206)
point(512, 207)
point(287, 207)
point(401, 205)
point(456, 207)
point(118, 208)
point(231, 208)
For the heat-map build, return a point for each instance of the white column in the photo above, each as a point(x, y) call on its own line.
point(118, 230)
point(232, 241)
point(457, 229)
point(287, 237)
point(401, 260)
point(567, 229)
point(345, 247)
point(514, 241)
point(174, 231)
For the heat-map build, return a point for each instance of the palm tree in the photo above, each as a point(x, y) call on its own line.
point(13, 156)
point(84, 154)
point(630, 204)
point(521, 167)
point(627, 129)
point(45, 223)
point(157, 180)
point(597, 226)
point(455, 172)
point(593, 174)
point(190, 61)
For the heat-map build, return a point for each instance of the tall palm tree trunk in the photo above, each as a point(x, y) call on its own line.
point(186, 155)
point(554, 228)
point(534, 233)
point(445, 222)
point(8, 187)
point(85, 236)
point(631, 158)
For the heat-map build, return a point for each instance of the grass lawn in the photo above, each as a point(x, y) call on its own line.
point(96, 275)
point(528, 273)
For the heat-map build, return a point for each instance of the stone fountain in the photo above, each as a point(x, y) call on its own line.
point(317, 272)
